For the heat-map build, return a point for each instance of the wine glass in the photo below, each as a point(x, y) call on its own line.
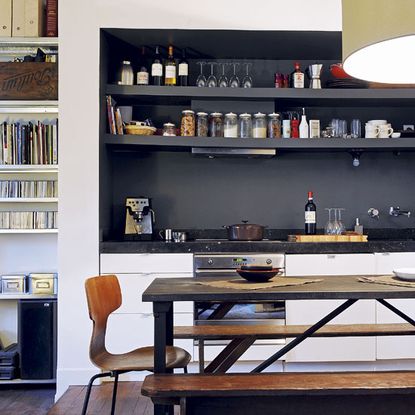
point(328, 230)
point(234, 81)
point(342, 228)
point(336, 225)
point(247, 79)
point(212, 81)
point(223, 80)
point(201, 79)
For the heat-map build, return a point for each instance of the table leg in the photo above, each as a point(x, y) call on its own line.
point(396, 311)
point(304, 336)
point(163, 336)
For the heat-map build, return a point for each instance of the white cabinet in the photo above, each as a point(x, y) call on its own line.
point(310, 311)
point(395, 347)
point(132, 325)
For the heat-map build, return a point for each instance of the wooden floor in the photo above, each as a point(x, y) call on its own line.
point(40, 401)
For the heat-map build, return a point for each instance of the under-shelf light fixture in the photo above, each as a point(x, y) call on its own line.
point(379, 40)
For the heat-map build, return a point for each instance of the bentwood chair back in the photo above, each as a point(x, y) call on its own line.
point(104, 297)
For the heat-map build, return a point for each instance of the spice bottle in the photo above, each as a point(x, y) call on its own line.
point(169, 129)
point(202, 124)
point(259, 127)
point(216, 124)
point(188, 123)
point(231, 125)
point(274, 125)
point(125, 74)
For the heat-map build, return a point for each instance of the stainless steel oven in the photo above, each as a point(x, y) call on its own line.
point(219, 313)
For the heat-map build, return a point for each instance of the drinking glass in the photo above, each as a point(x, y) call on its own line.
point(223, 80)
point(342, 129)
point(201, 79)
point(336, 225)
point(234, 81)
point(342, 228)
point(212, 81)
point(247, 79)
point(355, 128)
point(328, 230)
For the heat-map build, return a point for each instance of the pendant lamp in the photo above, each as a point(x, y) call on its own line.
point(379, 40)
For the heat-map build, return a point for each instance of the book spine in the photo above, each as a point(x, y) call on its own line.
point(51, 18)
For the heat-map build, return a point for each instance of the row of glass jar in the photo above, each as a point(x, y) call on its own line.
point(230, 125)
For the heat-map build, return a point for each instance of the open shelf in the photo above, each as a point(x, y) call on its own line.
point(27, 296)
point(291, 144)
point(28, 382)
point(28, 41)
point(25, 231)
point(315, 97)
point(28, 200)
point(28, 168)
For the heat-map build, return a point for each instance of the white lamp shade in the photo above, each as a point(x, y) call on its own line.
point(379, 40)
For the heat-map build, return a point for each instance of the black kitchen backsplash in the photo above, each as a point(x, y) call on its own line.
point(202, 193)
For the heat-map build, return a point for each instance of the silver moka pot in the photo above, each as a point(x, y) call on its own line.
point(314, 72)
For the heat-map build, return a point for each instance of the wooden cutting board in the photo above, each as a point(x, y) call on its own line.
point(328, 238)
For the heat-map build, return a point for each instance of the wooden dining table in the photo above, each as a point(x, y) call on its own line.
point(164, 292)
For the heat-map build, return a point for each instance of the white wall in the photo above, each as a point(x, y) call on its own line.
point(79, 24)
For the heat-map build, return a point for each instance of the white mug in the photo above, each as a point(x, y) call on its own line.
point(385, 130)
point(377, 122)
point(371, 131)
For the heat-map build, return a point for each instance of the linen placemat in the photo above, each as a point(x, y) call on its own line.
point(387, 280)
point(247, 285)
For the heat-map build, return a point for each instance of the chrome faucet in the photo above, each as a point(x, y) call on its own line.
point(396, 211)
point(373, 213)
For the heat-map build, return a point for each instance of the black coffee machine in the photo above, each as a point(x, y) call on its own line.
point(139, 219)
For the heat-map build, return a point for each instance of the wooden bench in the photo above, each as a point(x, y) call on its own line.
point(359, 393)
point(242, 337)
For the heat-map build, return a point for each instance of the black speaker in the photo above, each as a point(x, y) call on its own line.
point(37, 338)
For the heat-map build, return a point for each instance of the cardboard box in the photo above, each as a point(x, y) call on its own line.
point(28, 81)
point(28, 18)
point(6, 18)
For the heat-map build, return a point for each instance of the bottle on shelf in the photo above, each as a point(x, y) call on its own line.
point(142, 74)
point(297, 77)
point(170, 69)
point(157, 69)
point(310, 216)
point(183, 69)
point(304, 126)
point(295, 133)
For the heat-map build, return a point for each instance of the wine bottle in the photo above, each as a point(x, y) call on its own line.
point(310, 216)
point(170, 69)
point(157, 69)
point(297, 77)
point(303, 126)
point(142, 74)
point(183, 69)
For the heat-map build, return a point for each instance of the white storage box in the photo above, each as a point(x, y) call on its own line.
point(42, 283)
point(13, 284)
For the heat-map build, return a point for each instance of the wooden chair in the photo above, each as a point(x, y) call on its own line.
point(104, 296)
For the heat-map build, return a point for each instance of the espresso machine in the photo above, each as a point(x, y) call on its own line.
point(139, 219)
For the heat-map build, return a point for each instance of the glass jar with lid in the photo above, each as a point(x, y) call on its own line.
point(230, 125)
point(259, 126)
point(202, 124)
point(169, 129)
point(245, 125)
point(216, 124)
point(188, 123)
point(274, 125)
point(125, 74)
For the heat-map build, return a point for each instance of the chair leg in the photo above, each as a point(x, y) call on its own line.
point(185, 369)
point(114, 392)
point(88, 390)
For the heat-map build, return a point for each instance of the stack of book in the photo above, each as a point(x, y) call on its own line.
point(28, 188)
point(28, 220)
point(32, 143)
point(115, 123)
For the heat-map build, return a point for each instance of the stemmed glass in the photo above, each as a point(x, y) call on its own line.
point(342, 228)
point(336, 225)
point(329, 230)
point(212, 81)
point(234, 81)
point(247, 79)
point(223, 80)
point(201, 79)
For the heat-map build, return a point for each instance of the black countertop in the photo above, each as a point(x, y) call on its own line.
point(159, 247)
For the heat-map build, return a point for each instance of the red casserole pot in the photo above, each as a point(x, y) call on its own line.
point(245, 232)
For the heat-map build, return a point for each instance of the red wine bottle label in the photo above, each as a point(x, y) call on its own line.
point(183, 69)
point(310, 217)
point(156, 69)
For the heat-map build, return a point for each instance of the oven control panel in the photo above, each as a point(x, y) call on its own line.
point(230, 262)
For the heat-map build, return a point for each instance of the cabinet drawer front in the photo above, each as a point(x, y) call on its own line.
point(330, 264)
point(132, 288)
point(146, 263)
point(126, 332)
point(387, 262)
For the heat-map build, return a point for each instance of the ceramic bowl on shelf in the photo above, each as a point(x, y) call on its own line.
point(407, 274)
point(257, 273)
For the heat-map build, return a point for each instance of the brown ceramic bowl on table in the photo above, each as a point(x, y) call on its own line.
point(257, 273)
